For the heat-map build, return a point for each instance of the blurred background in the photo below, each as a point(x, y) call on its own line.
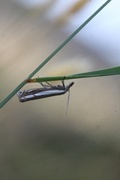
point(37, 139)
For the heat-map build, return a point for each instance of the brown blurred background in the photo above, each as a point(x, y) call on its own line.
point(37, 139)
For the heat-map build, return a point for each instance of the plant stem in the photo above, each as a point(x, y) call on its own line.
point(99, 73)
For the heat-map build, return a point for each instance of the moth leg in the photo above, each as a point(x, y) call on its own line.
point(44, 86)
point(63, 84)
point(49, 84)
point(23, 93)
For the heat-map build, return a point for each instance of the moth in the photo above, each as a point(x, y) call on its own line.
point(44, 92)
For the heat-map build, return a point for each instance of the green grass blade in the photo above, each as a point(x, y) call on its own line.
point(104, 72)
point(98, 73)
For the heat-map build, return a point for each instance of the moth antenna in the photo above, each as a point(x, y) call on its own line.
point(68, 100)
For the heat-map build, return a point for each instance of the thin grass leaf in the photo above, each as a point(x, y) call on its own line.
point(98, 73)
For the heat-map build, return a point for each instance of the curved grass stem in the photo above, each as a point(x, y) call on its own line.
point(103, 72)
